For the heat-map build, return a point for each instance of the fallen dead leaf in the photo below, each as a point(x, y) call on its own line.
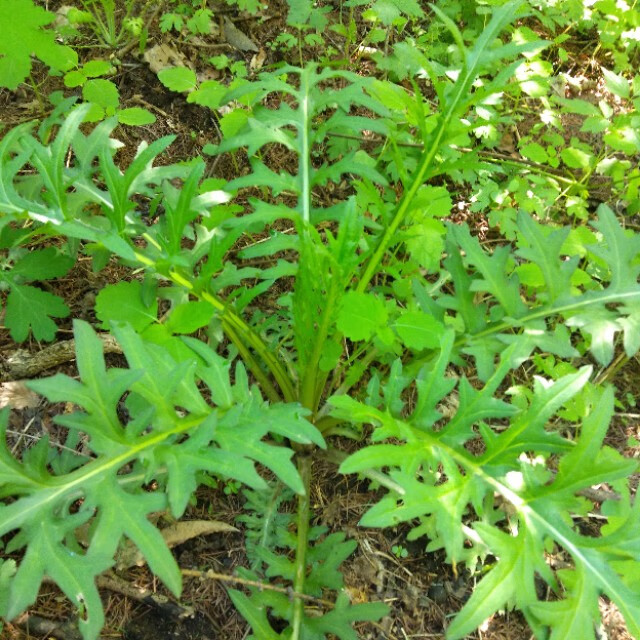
point(257, 60)
point(173, 535)
point(209, 73)
point(507, 143)
point(162, 56)
point(16, 395)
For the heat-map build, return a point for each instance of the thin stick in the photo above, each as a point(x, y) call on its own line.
point(223, 577)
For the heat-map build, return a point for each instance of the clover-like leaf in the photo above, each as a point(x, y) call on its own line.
point(31, 309)
point(22, 34)
point(42, 265)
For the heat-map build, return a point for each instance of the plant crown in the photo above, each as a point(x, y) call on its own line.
point(400, 331)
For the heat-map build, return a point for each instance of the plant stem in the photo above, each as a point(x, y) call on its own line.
point(232, 321)
point(241, 334)
point(419, 177)
point(310, 396)
point(266, 385)
point(36, 90)
point(304, 469)
point(305, 151)
point(263, 586)
point(239, 326)
point(345, 387)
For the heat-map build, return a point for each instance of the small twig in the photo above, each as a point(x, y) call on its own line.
point(28, 436)
point(483, 152)
point(598, 495)
point(39, 626)
point(23, 364)
point(112, 582)
point(223, 577)
point(207, 45)
point(138, 99)
point(118, 585)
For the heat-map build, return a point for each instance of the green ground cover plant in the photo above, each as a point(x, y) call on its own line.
point(26, 36)
point(111, 23)
point(393, 329)
point(103, 94)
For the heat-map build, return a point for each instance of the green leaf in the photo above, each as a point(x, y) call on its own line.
point(419, 330)
point(190, 316)
point(576, 158)
point(375, 456)
point(389, 10)
point(159, 334)
point(232, 123)
point(616, 84)
point(535, 152)
point(619, 251)
point(97, 392)
point(170, 21)
point(136, 177)
point(74, 79)
point(74, 573)
point(95, 113)
point(338, 621)
point(209, 94)
point(425, 243)
point(178, 79)
point(200, 21)
point(95, 68)
point(121, 513)
point(31, 309)
point(361, 315)
point(331, 352)
point(602, 325)
point(574, 616)
point(135, 116)
point(22, 35)
point(185, 467)
point(215, 373)
point(494, 270)
point(164, 383)
point(299, 12)
point(7, 571)
point(631, 327)
point(180, 209)
point(42, 265)
point(122, 302)
point(433, 384)
point(103, 93)
point(255, 616)
point(510, 577)
point(588, 463)
point(543, 247)
point(429, 202)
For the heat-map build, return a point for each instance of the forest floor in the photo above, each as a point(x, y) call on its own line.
point(421, 588)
